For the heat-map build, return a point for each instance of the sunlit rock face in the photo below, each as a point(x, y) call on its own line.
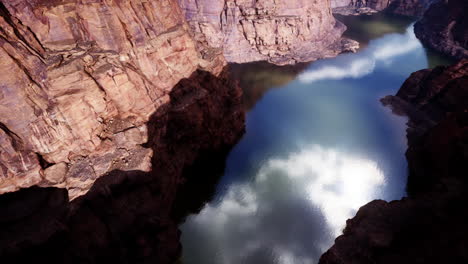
point(400, 7)
point(444, 27)
point(281, 32)
point(430, 225)
point(79, 81)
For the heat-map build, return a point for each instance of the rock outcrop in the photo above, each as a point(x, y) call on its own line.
point(114, 105)
point(79, 82)
point(444, 28)
point(430, 225)
point(399, 7)
point(133, 216)
point(278, 31)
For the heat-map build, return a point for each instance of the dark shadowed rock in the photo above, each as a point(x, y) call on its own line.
point(444, 27)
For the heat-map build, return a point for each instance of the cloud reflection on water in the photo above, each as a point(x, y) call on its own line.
point(363, 63)
point(296, 203)
point(279, 216)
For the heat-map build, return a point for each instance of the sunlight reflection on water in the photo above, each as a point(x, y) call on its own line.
point(315, 151)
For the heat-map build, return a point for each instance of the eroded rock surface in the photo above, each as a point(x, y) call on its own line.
point(278, 31)
point(79, 82)
point(444, 27)
point(133, 216)
point(399, 7)
point(430, 225)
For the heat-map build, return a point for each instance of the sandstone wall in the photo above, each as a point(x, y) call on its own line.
point(80, 79)
point(400, 7)
point(278, 31)
point(133, 216)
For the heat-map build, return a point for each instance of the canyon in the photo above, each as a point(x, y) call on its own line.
point(81, 79)
point(116, 118)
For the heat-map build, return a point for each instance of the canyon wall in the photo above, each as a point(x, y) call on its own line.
point(429, 226)
point(79, 82)
point(133, 216)
point(278, 31)
point(400, 7)
point(114, 105)
point(444, 28)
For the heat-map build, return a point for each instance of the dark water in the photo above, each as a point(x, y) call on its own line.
point(318, 146)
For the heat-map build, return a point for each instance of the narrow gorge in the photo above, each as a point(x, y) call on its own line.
point(233, 131)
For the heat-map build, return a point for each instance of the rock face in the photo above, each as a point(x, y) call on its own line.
point(133, 216)
point(115, 105)
point(430, 225)
point(278, 31)
point(79, 82)
point(400, 7)
point(444, 27)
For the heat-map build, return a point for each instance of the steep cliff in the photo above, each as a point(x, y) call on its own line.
point(399, 7)
point(430, 225)
point(444, 27)
point(133, 216)
point(79, 82)
point(278, 31)
point(117, 107)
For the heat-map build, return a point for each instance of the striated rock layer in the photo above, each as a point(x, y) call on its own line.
point(79, 82)
point(430, 225)
point(399, 7)
point(278, 31)
point(117, 107)
point(133, 216)
point(444, 27)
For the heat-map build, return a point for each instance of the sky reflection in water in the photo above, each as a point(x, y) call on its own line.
point(314, 152)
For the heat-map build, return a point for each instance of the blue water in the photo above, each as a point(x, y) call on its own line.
point(316, 149)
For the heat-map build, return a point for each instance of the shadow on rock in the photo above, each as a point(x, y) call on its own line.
point(133, 216)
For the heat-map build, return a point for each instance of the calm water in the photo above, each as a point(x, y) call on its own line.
point(318, 146)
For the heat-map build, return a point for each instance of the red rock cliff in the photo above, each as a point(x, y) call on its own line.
point(400, 7)
point(278, 31)
point(79, 81)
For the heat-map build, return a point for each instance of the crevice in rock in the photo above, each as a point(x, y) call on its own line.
point(16, 141)
point(43, 162)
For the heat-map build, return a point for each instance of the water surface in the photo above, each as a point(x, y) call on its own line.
point(318, 146)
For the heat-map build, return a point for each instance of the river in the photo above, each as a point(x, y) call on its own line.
point(318, 146)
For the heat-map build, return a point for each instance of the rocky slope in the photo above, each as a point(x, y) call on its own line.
point(116, 106)
point(430, 225)
point(400, 7)
point(278, 31)
point(133, 216)
point(444, 27)
point(80, 81)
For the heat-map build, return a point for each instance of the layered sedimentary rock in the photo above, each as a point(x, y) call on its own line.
point(444, 27)
point(79, 82)
point(133, 216)
point(278, 31)
point(400, 7)
point(114, 103)
point(430, 225)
